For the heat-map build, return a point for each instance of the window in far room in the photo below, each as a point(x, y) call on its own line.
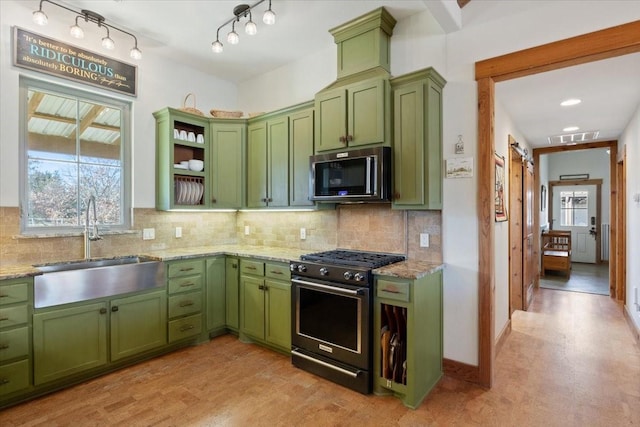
point(574, 208)
point(74, 145)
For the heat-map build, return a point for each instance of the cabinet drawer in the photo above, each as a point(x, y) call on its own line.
point(14, 343)
point(185, 268)
point(251, 267)
point(277, 271)
point(14, 377)
point(185, 327)
point(398, 291)
point(183, 304)
point(13, 316)
point(185, 284)
point(11, 294)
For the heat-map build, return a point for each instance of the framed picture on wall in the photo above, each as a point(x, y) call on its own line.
point(500, 206)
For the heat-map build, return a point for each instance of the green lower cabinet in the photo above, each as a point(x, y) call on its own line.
point(232, 294)
point(186, 288)
point(215, 294)
point(69, 340)
point(14, 377)
point(265, 303)
point(407, 337)
point(138, 324)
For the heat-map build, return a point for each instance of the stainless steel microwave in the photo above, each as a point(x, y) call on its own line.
point(351, 176)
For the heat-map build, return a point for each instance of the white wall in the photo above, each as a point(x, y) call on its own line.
point(631, 142)
point(161, 83)
point(594, 162)
point(543, 172)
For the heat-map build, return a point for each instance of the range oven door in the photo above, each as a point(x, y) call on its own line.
point(332, 320)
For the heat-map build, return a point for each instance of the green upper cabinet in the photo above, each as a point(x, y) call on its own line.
point(268, 163)
point(300, 149)
point(353, 115)
point(226, 174)
point(181, 137)
point(417, 140)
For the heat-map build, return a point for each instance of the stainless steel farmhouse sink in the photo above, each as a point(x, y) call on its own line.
point(84, 280)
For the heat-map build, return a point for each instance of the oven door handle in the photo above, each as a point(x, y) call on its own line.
point(325, 364)
point(359, 291)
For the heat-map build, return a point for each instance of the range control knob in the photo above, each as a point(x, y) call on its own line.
point(348, 275)
point(324, 271)
point(302, 268)
point(293, 267)
point(359, 277)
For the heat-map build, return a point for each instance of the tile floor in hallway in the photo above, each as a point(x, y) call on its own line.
point(590, 278)
point(570, 361)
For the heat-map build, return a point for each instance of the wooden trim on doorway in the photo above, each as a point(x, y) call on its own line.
point(598, 45)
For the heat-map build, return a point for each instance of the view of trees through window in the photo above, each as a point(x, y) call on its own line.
point(73, 151)
point(574, 208)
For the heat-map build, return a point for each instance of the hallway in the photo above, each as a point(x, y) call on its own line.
point(589, 278)
point(570, 361)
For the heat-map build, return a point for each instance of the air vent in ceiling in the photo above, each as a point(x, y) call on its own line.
point(574, 137)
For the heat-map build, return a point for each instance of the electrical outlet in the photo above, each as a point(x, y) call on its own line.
point(424, 240)
point(247, 230)
point(178, 232)
point(303, 233)
point(148, 233)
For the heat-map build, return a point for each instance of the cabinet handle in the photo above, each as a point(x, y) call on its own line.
point(4, 381)
point(2, 319)
point(4, 296)
point(185, 285)
point(349, 137)
point(269, 199)
point(261, 287)
point(4, 346)
point(103, 310)
point(186, 269)
point(396, 195)
point(186, 328)
point(234, 265)
point(342, 139)
point(275, 272)
point(250, 267)
point(266, 288)
point(114, 308)
point(185, 303)
point(213, 200)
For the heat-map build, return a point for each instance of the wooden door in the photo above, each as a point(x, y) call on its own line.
point(528, 263)
point(515, 232)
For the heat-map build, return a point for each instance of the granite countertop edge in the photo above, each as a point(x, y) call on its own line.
point(409, 269)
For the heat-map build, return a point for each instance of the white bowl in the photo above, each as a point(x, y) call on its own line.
point(196, 165)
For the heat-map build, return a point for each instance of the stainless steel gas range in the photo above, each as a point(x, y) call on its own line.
point(332, 303)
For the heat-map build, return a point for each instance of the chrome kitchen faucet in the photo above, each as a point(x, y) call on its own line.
point(95, 234)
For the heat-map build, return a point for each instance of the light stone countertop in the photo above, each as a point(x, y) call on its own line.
point(406, 270)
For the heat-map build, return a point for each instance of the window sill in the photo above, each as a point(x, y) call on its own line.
point(72, 234)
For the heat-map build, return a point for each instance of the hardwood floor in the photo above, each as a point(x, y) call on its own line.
point(570, 361)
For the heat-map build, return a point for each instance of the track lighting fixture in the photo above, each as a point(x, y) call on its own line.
point(250, 28)
point(40, 18)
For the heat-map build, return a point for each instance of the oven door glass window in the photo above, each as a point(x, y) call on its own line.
point(330, 318)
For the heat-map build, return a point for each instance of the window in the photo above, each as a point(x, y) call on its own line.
point(74, 145)
point(574, 208)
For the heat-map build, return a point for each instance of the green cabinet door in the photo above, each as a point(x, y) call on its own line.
point(232, 293)
point(278, 313)
point(252, 306)
point(300, 148)
point(215, 294)
point(278, 162)
point(257, 165)
point(227, 144)
point(68, 341)
point(331, 119)
point(353, 115)
point(138, 323)
point(417, 140)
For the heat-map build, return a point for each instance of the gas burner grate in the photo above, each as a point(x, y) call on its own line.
point(354, 258)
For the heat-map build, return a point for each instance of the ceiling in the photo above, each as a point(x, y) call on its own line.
point(609, 89)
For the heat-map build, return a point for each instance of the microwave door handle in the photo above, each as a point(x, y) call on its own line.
point(368, 189)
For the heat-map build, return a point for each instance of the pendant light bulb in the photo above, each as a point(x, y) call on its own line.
point(108, 43)
point(233, 37)
point(39, 17)
point(250, 28)
point(76, 31)
point(269, 17)
point(217, 47)
point(135, 53)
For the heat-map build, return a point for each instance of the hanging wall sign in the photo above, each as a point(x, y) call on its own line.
point(46, 55)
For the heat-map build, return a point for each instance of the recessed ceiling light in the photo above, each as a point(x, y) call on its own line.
point(570, 129)
point(569, 102)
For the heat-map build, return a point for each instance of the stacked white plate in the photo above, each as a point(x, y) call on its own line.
point(188, 192)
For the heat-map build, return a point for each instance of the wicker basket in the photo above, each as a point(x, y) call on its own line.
point(226, 114)
point(192, 110)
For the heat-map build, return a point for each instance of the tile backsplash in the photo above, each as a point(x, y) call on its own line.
point(365, 227)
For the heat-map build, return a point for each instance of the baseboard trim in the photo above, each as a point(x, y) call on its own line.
point(506, 331)
point(461, 371)
point(635, 330)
